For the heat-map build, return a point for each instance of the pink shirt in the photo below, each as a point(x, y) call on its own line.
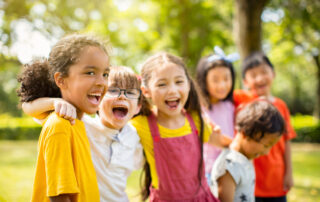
point(222, 114)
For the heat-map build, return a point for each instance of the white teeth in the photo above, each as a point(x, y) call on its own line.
point(172, 100)
point(95, 94)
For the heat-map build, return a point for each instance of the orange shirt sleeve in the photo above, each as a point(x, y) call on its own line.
point(241, 97)
point(283, 109)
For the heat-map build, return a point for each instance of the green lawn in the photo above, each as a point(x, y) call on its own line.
point(17, 162)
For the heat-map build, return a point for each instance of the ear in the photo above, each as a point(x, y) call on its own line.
point(145, 91)
point(59, 80)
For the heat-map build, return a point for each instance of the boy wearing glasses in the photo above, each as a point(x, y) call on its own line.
point(114, 143)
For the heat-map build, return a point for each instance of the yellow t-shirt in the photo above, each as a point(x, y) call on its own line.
point(64, 164)
point(142, 127)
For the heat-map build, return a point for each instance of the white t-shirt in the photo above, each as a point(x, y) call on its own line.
point(242, 171)
point(115, 154)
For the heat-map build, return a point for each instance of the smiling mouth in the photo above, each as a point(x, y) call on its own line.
point(172, 104)
point(120, 112)
point(95, 98)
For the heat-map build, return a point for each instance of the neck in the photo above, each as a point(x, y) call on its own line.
point(79, 114)
point(171, 122)
point(235, 144)
point(214, 100)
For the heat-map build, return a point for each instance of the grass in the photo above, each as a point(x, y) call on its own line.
point(17, 163)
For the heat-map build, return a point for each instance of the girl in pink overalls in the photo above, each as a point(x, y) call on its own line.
point(172, 133)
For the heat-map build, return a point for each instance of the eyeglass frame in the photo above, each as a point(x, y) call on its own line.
point(124, 92)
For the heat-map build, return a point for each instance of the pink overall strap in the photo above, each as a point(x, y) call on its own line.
point(153, 127)
point(192, 124)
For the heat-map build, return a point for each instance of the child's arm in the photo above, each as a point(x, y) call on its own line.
point(288, 178)
point(218, 139)
point(226, 188)
point(41, 107)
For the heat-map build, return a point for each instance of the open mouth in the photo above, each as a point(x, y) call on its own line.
point(120, 112)
point(172, 104)
point(95, 98)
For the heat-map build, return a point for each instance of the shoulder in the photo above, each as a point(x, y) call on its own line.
point(130, 133)
point(56, 121)
point(227, 105)
point(279, 102)
point(282, 107)
point(139, 121)
point(241, 96)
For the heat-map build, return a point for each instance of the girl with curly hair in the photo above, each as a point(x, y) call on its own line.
point(76, 70)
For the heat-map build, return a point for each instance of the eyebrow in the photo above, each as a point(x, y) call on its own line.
point(94, 67)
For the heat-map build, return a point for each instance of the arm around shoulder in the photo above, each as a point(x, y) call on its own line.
point(41, 108)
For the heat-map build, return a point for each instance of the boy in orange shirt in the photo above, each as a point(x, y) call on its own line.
point(274, 170)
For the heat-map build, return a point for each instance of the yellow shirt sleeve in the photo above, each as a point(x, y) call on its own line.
point(64, 164)
point(59, 167)
point(142, 126)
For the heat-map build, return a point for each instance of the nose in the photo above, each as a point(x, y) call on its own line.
point(259, 78)
point(172, 89)
point(101, 80)
point(122, 95)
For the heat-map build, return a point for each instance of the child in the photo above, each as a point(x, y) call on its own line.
point(76, 70)
point(216, 78)
point(259, 126)
point(172, 132)
point(115, 146)
point(273, 171)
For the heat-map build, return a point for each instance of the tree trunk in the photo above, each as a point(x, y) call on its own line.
point(317, 107)
point(247, 24)
point(185, 29)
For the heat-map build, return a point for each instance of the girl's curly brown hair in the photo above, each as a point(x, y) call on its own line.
point(37, 78)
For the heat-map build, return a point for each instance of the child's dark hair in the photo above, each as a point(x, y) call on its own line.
point(259, 118)
point(37, 78)
point(203, 67)
point(253, 60)
point(124, 77)
point(192, 105)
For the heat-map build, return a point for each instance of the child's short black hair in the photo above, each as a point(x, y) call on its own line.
point(259, 118)
point(253, 60)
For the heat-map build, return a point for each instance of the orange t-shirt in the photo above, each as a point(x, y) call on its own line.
point(270, 168)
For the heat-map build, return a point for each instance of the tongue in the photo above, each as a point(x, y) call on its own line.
point(94, 100)
point(119, 113)
point(172, 103)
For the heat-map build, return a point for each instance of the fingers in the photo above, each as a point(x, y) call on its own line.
point(66, 110)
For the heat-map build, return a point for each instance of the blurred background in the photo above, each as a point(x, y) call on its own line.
point(288, 31)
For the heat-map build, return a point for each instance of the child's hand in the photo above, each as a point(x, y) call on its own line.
point(216, 130)
point(65, 110)
point(288, 182)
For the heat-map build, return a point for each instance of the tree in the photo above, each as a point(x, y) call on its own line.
point(301, 26)
point(248, 25)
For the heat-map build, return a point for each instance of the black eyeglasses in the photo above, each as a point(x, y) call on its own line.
point(131, 93)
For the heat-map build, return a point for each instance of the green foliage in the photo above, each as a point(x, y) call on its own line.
point(307, 128)
point(138, 28)
point(308, 134)
point(293, 42)
point(16, 128)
